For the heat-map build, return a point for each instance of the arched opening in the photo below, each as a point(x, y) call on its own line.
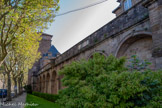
point(98, 51)
point(53, 83)
point(47, 83)
point(40, 83)
point(60, 86)
point(140, 45)
point(43, 87)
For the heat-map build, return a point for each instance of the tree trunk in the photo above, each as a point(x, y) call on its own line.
point(1, 62)
point(19, 86)
point(15, 87)
point(9, 87)
point(2, 58)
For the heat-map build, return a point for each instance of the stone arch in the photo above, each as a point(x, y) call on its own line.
point(43, 83)
point(59, 78)
point(38, 80)
point(140, 45)
point(54, 83)
point(102, 52)
point(48, 83)
point(131, 36)
point(40, 83)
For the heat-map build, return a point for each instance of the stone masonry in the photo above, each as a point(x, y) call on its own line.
point(46, 55)
point(137, 30)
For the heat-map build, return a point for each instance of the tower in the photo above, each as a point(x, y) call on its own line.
point(44, 47)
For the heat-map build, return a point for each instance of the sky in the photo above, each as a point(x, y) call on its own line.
point(69, 29)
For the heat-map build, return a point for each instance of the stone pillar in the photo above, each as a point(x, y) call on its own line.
point(155, 14)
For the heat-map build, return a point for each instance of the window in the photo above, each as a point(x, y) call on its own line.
point(127, 4)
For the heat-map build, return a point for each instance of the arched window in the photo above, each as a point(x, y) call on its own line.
point(127, 4)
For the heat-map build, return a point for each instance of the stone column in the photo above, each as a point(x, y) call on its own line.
point(155, 14)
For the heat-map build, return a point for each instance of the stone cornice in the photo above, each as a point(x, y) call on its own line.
point(147, 3)
point(126, 20)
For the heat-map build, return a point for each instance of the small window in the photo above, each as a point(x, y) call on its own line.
point(127, 4)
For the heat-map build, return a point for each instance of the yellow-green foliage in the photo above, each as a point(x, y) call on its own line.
point(20, 22)
point(24, 18)
point(105, 83)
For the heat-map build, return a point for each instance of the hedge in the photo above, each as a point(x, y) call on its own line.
point(106, 83)
point(49, 97)
point(28, 89)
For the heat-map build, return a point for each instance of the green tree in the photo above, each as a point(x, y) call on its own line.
point(21, 57)
point(105, 83)
point(18, 16)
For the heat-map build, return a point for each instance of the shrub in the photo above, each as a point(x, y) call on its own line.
point(50, 97)
point(28, 89)
point(138, 64)
point(105, 83)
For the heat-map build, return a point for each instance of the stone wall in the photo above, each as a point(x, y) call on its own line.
point(128, 19)
point(44, 46)
point(155, 14)
point(120, 9)
point(136, 31)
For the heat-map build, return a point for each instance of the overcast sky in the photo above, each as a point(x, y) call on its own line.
point(69, 29)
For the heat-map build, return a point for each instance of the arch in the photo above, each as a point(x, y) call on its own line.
point(47, 83)
point(60, 86)
point(102, 52)
point(53, 83)
point(140, 45)
point(133, 35)
point(43, 87)
point(40, 83)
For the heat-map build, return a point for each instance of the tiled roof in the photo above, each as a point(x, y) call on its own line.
point(53, 50)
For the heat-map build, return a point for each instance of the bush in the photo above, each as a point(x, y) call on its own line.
point(49, 97)
point(105, 83)
point(138, 64)
point(28, 89)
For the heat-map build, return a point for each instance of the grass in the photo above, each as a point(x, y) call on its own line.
point(41, 103)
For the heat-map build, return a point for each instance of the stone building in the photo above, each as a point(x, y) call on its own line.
point(48, 52)
point(137, 30)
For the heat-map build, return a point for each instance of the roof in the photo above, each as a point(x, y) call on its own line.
point(116, 9)
point(47, 34)
point(52, 50)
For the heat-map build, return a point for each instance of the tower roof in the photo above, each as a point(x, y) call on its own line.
point(53, 50)
point(47, 34)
